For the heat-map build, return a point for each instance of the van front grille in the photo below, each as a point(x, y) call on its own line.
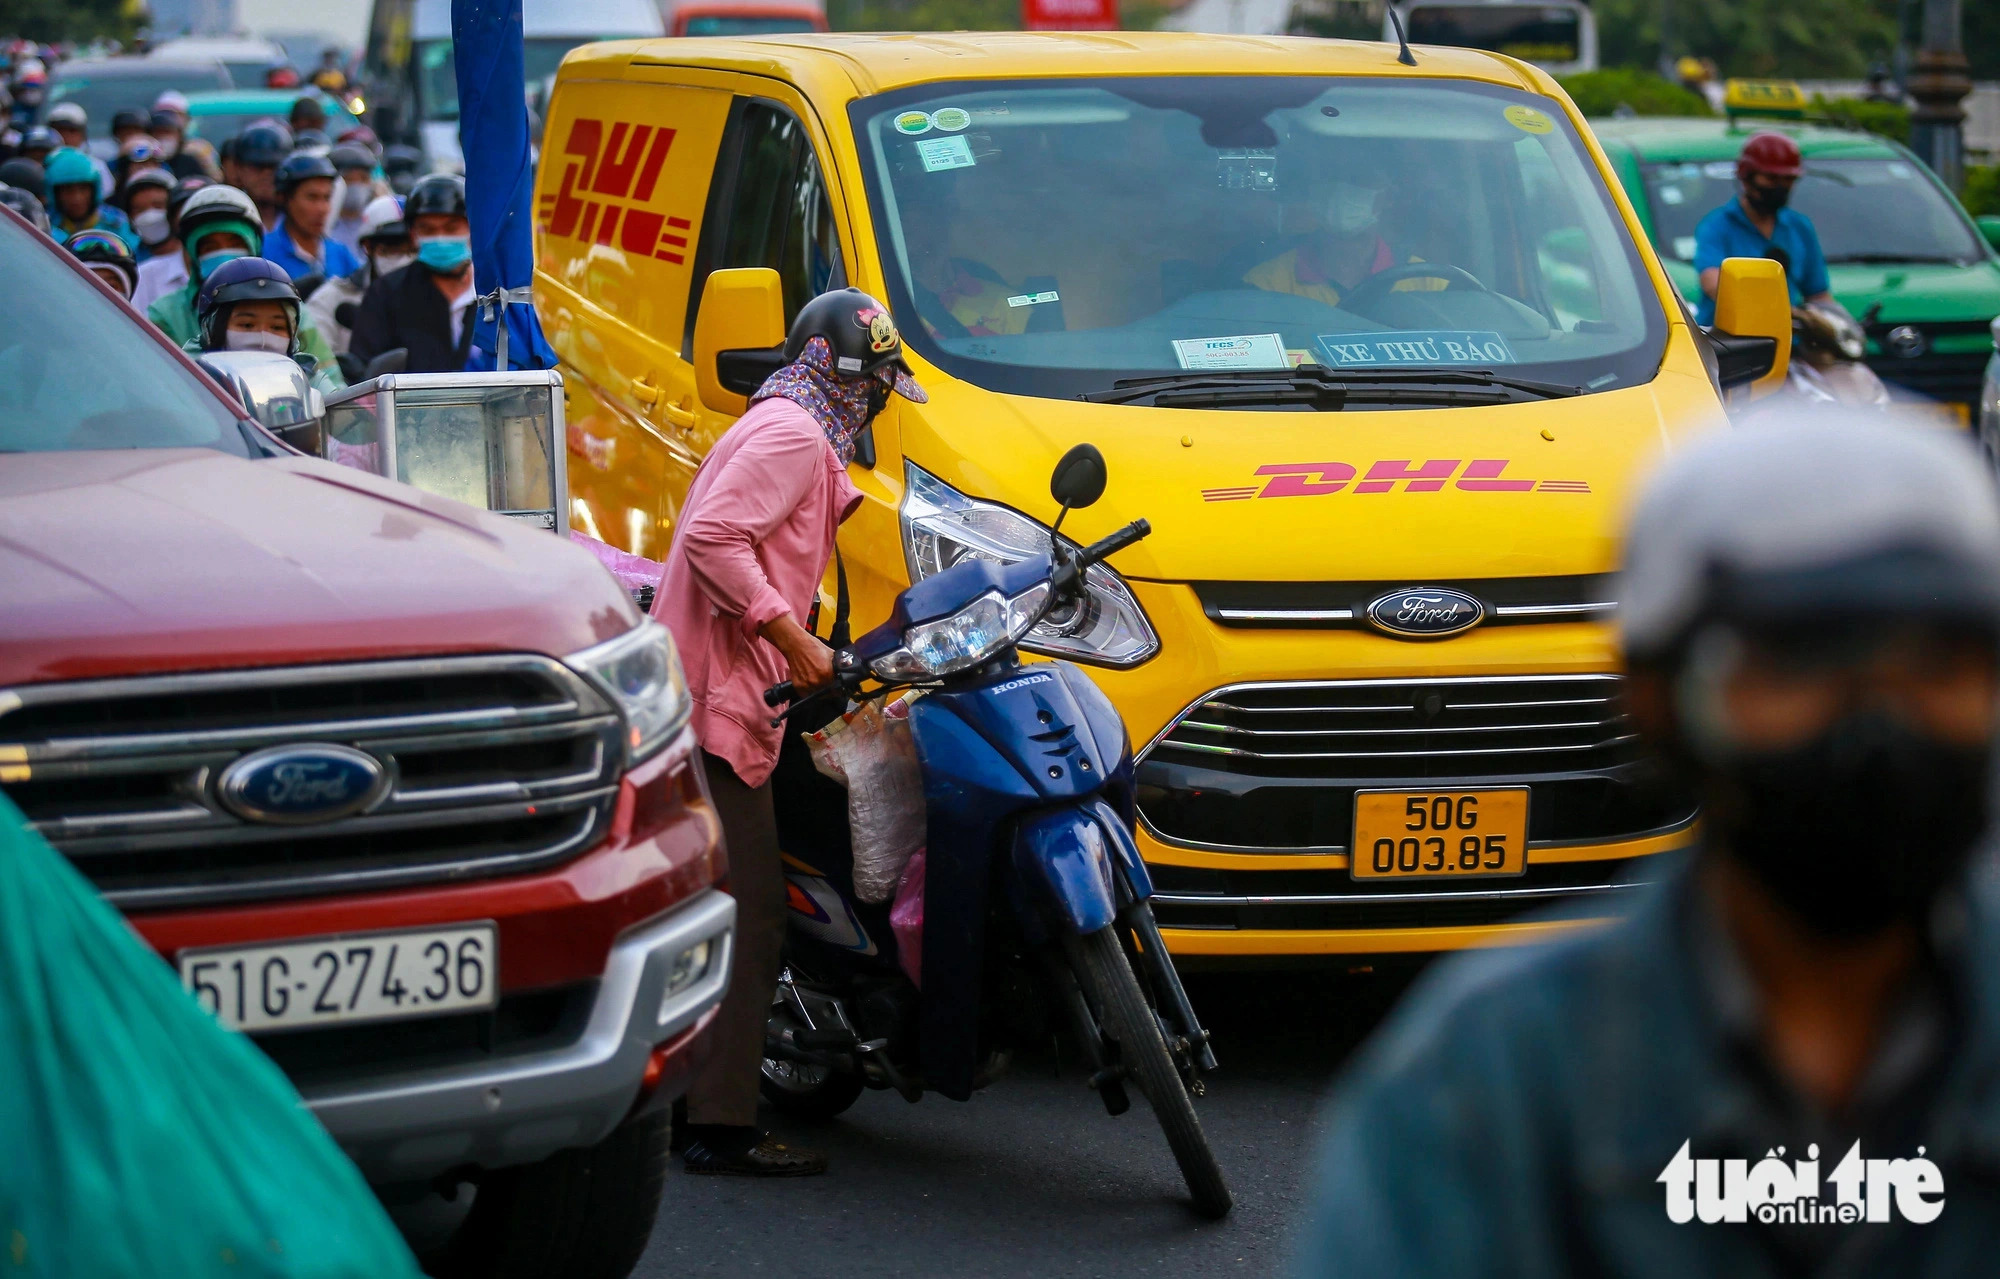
point(497, 764)
point(1275, 766)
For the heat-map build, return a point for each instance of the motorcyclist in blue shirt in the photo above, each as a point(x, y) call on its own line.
point(299, 242)
point(1758, 224)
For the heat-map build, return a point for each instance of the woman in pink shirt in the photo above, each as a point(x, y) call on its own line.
point(753, 543)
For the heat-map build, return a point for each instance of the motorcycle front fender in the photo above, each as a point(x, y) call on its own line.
point(1064, 859)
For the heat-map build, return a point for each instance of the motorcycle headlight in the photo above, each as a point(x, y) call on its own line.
point(641, 672)
point(942, 526)
point(966, 638)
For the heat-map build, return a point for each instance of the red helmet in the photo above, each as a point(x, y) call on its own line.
point(1771, 153)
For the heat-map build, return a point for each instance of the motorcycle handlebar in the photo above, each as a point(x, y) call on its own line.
point(1114, 542)
point(779, 694)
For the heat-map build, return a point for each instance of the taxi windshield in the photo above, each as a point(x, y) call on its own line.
point(76, 372)
point(1865, 210)
point(1050, 237)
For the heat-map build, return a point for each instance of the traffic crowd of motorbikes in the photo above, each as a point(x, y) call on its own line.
point(1828, 692)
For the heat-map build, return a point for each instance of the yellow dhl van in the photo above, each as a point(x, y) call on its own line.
point(1379, 349)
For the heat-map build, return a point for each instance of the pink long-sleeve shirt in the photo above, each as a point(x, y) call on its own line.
point(753, 543)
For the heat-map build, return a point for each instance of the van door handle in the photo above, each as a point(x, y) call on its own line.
point(679, 414)
point(645, 392)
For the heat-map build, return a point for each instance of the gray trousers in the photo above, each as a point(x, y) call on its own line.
point(724, 1090)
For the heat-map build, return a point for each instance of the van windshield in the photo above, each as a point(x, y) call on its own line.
point(76, 372)
point(1050, 237)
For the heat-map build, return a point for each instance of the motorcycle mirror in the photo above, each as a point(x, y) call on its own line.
point(1079, 478)
point(394, 360)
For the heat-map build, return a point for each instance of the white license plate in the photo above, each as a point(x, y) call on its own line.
point(352, 978)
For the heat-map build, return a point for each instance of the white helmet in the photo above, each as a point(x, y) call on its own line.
point(382, 217)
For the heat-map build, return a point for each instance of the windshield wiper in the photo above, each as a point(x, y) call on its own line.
point(1326, 389)
point(1891, 259)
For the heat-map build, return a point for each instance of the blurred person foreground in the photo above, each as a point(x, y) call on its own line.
point(1784, 1061)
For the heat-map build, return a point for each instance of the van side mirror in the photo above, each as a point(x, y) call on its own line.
point(1989, 226)
point(1079, 478)
point(1753, 325)
point(741, 324)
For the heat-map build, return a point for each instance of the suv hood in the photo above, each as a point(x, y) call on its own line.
point(1269, 496)
point(124, 563)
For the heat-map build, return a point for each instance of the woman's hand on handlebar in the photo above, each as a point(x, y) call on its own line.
point(810, 660)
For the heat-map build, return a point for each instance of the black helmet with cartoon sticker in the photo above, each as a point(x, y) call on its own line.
point(861, 335)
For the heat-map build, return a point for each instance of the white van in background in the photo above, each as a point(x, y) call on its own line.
point(1559, 36)
point(413, 88)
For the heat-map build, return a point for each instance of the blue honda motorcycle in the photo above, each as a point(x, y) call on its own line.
point(1036, 904)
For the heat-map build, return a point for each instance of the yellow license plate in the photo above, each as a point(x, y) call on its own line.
point(1455, 834)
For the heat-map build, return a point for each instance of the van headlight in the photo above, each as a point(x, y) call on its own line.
point(966, 638)
point(641, 671)
point(942, 526)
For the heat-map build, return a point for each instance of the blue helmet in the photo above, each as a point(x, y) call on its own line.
point(243, 280)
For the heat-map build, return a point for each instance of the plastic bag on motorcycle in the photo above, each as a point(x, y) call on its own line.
point(870, 751)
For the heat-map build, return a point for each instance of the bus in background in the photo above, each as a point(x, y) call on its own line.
point(1559, 36)
point(413, 87)
point(743, 17)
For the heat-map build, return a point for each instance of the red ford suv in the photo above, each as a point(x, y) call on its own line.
point(403, 790)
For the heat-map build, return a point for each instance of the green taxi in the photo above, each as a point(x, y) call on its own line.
point(1903, 255)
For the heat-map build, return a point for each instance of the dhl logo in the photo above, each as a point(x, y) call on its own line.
point(624, 166)
point(1319, 479)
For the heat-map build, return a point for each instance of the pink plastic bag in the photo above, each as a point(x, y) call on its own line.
point(632, 571)
point(906, 918)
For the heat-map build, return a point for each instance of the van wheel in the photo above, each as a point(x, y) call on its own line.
point(579, 1214)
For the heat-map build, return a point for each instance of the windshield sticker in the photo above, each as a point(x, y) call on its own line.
point(950, 119)
point(1033, 299)
point(1528, 120)
point(1297, 357)
point(913, 123)
point(1374, 350)
point(945, 153)
point(1672, 195)
point(1684, 247)
point(1250, 351)
point(1719, 170)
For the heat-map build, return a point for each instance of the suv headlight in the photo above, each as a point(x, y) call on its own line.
point(966, 638)
point(641, 671)
point(942, 526)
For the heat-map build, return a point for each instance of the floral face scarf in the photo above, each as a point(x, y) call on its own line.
point(842, 405)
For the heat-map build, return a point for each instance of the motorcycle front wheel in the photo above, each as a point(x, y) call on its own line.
point(1106, 975)
point(808, 1091)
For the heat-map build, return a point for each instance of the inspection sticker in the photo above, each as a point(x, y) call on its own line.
point(1378, 350)
point(951, 119)
point(1248, 351)
point(913, 123)
point(945, 153)
point(1528, 120)
point(1030, 299)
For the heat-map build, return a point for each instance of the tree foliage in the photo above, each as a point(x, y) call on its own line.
point(1600, 93)
point(50, 21)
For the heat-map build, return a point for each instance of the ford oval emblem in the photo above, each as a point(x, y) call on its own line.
point(1429, 612)
point(300, 785)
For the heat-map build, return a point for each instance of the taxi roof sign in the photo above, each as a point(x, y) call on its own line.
point(1782, 99)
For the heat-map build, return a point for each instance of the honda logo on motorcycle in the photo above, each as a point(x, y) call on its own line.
point(1906, 342)
point(1431, 612)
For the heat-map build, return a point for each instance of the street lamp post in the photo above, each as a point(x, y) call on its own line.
point(1939, 84)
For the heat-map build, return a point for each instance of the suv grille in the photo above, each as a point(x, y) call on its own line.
point(1275, 766)
point(499, 765)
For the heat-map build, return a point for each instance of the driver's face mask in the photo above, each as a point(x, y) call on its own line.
point(1352, 208)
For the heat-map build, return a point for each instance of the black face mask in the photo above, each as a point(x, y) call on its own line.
point(1857, 829)
point(1767, 200)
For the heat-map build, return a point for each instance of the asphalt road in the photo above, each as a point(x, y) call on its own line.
point(1031, 1177)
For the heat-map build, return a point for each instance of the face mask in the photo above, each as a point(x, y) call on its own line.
point(445, 253)
point(387, 262)
point(1767, 200)
point(1860, 827)
point(207, 262)
point(242, 340)
point(1351, 209)
point(151, 226)
point(354, 199)
point(169, 146)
